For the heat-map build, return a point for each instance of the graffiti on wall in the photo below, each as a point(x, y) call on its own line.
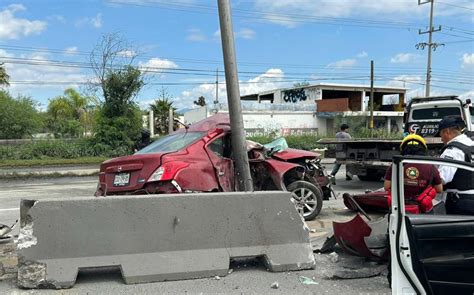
point(294, 95)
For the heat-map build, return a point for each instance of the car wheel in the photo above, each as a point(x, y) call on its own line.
point(307, 197)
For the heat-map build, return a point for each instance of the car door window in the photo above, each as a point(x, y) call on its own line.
point(217, 147)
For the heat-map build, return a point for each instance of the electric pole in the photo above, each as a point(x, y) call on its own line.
point(430, 44)
point(371, 124)
point(217, 87)
point(239, 147)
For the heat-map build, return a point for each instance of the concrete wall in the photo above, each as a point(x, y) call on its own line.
point(160, 237)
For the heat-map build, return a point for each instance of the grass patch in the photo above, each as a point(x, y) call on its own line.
point(51, 162)
point(16, 175)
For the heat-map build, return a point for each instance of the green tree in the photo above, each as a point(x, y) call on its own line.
point(68, 114)
point(161, 107)
point(4, 78)
point(18, 117)
point(201, 101)
point(118, 119)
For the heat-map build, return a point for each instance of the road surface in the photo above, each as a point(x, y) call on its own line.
point(247, 276)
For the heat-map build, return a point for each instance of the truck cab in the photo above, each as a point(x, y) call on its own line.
point(424, 114)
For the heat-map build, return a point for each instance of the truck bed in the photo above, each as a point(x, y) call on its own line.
point(429, 141)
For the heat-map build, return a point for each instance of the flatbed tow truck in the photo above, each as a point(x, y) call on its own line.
point(369, 158)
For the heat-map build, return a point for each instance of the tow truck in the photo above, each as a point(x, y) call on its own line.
point(369, 158)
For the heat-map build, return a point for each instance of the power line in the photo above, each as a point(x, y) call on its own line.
point(201, 61)
point(455, 5)
point(298, 18)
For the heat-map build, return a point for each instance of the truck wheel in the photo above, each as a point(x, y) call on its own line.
point(307, 197)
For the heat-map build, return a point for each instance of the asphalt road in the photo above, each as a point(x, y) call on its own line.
point(247, 277)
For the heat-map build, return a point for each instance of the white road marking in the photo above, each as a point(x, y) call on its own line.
point(10, 209)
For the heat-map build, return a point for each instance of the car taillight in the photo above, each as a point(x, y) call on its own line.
point(167, 171)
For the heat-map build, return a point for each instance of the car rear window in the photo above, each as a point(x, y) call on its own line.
point(435, 113)
point(171, 143)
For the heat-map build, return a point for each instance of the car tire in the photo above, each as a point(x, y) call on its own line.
point(307, 197)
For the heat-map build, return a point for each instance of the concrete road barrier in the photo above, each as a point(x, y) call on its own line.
point(158, 238)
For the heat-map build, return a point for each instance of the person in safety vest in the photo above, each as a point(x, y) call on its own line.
point(421, 181)
point(459, 183)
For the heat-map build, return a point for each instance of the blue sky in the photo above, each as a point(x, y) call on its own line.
point(279, 42)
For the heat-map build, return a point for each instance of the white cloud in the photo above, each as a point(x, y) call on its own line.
point(95, 21)
point(403, 58)
point(245, 33)
point(157, 65)
point(263, 82)
point(195, 35)
point(343, 63)
point(58, 18)
point(127, 53)
point(71, 50)
point(467, 61)
point(278, 11)
point(363, 54)
point(42, 72)
point(414, 84)
point(466, 95)
point(14, 28)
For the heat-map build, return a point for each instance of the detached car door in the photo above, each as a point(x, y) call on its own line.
point(219, 151)
point(431, 254)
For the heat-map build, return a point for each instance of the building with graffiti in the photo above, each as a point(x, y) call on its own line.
point(313, 108)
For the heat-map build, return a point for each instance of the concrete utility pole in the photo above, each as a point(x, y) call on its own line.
point(430, 44)
point(239, 147)
point(217, 87)
point(371, 124)
point(151, 123)
point(170, 121)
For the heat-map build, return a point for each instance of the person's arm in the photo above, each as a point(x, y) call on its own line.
point(437, 182)
point(447, 172)
point(387, 185)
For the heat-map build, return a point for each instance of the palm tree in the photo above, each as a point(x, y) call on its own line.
point(70, 106)
point(161, 108)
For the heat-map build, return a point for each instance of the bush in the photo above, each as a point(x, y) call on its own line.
point(59, 149)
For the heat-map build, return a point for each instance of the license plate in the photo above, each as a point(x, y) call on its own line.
point(121, 179)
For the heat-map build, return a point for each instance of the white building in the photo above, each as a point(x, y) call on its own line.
point(313, 108)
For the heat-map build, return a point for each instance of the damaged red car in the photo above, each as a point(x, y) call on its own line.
point(198, 158)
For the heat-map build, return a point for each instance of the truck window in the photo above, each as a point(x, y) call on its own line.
point(435, 113)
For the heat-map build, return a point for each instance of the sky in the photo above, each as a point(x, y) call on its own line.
point(46, 44)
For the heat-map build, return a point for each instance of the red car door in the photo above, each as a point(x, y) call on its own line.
point(218, 150)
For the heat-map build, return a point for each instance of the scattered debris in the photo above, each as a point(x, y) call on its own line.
point(275, 285)
point(230, 271)
point(217, 278)
point(312, 230)
point(334, 257)
point(307, 281)
point(364, 272)
point(328, 245)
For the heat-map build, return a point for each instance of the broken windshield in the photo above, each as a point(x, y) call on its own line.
point(277, 145)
